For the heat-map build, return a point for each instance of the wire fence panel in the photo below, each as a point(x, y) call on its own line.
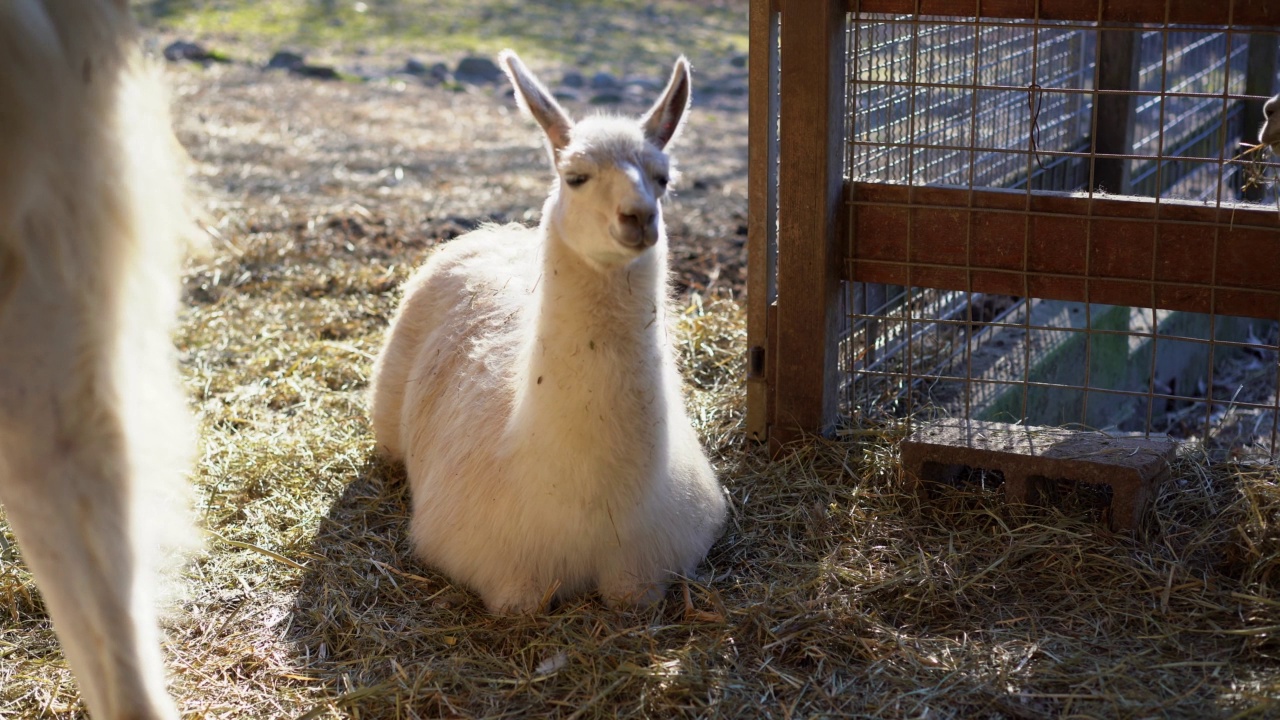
point(1053, 219)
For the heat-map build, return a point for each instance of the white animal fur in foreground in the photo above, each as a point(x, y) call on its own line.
point(1270, 133)
point(94, 432)
point(529, 385)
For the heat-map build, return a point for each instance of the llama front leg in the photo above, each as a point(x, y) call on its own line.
point(67, 493)
point(623, 586)
point(515, 599)
point(75, 533)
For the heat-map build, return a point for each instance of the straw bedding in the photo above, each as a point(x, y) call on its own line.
point(831, 594)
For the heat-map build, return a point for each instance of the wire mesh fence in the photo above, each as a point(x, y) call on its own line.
point(942, 109)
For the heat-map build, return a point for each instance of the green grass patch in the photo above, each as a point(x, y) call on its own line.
point(609, 34)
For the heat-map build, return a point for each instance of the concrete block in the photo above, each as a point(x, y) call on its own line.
point(1032, 458)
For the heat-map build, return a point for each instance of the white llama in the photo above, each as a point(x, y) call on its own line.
point(529, 386)
point(93, 427)
point(1269, 135)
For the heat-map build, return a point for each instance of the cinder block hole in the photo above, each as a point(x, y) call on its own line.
point(962, 477)
point(1072, 497)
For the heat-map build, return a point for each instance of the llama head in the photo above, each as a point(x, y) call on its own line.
point(611, 171)
point(1270, 132)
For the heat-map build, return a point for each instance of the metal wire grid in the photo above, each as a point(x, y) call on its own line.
point(1189, 88)
point(1205, 64)
point(1011, 104)
point(925, 129)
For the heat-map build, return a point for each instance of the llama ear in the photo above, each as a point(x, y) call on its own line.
point(664, 120)
point(538, 102)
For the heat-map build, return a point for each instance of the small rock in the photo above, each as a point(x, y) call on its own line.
point(319, 72)
point(415, 67)
point(439, 72)
point(603, 81)
point(573, 79)
point(476, 70)
point(183, 50)
point(739, 60)
point(451, 227)
point(644, 83)
point(364, 72)
point(567, 95)
point(608, 97)
point(729, 89)
point(285, 60)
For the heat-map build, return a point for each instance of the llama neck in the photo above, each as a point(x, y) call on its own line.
point(599, 350)
point(581, 307)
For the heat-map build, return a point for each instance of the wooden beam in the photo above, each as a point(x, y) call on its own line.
point(810, 248)
point(1261, 13)
point(1114, 114)
point(762, 212)
point(1174, 255)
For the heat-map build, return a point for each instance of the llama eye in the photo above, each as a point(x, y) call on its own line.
point(576, 180)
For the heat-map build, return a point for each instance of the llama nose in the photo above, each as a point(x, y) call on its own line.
point(635, 218)
point(637, 227)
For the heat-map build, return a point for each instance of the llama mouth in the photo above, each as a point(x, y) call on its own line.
point(637, 239)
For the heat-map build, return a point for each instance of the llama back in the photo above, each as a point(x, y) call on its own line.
point(87, 147)
point(452, 322)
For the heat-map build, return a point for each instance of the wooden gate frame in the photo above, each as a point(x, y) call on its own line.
point(795, 190)
point(809, 229)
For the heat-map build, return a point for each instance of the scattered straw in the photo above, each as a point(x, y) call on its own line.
point(831, 594)
point(1255, 171)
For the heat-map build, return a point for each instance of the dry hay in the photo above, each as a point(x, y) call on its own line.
point(831, 594)
point(1257, 169)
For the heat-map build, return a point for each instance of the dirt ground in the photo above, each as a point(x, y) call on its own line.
point(393, 161)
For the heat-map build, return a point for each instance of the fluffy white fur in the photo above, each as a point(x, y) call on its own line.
point(1270, 133)
point(529, 386)
point(93, 427)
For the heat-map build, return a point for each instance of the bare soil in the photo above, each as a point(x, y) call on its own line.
point(398, 165)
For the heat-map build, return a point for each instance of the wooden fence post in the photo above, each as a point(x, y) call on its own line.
point(762, 214)
point(1113, 127)
point(810, 201)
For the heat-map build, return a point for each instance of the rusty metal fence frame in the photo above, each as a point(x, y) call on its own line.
point(813, 231)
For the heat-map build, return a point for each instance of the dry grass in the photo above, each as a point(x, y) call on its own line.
point(832, 593)
point(614, 35)
point(1257, 172)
